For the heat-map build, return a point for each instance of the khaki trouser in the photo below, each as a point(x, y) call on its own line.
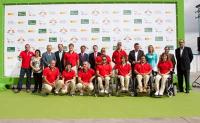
point(66, 87)
point(163, 79)
point(100, 83)
point(139, 79)
point(88, 87)
point(46, 88)
point(124, 81)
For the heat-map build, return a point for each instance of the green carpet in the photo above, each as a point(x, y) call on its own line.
point(29, 106)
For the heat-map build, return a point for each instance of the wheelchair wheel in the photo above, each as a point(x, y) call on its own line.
point(174, 90)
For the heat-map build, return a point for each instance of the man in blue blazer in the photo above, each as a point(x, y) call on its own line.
point(83, 56)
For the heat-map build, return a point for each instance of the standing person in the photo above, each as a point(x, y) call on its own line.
point(48, 56)
point(72, 58)
point(152, 58)
point(184, 57)
point(165, 66)
point(170, 55)
point(85, 78)
point(36, 65)
point(25, 57)
point(60, 58)
point(142, 71)
point(83, 56)
point(135, 55)
point(99, 58)
point(124, 73)
point(118, 53)
point(104, 73)
point(50, 77)
point(92, 57)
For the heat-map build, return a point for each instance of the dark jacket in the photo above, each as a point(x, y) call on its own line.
point(60, 63)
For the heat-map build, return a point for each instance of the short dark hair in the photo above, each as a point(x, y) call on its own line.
point(71, 44)
point(136, 44)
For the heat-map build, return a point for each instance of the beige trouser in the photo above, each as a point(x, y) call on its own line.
point(139, 79)
point(163, 79)
point(100, 83)
point(124, 81)
point(46, 88)
point(87, 88)
point(66, 87)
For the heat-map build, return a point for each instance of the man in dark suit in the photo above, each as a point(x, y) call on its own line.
point(184, 57)
point(135, 55)
point(92, 57)
point(60, 58)
point(83, 56)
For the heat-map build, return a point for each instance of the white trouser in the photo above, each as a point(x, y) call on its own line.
point(124, 80)
point(88, 87)
point(163, 79)
point(100, 83)
point(139, 79)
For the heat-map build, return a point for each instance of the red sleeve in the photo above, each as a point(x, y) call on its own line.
point(57, 72)
point(108, 59)
point(136, 67)
point(98, 59)
point(65, 56)
point(45, 72)
point(63, 73)
point(21, 54)
point(129, 67)
point(150, 68)
point(110, 67)
point(77, 57)
point(79, 74)
point(98, 67)
point(113, 56)
point(92, 72)
point(158, 65)
point(170, 64)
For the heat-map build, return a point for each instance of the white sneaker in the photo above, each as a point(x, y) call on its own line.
point(81, 93)
point(123, 89)
point(101, 91)
point(106, 91)
point(56, 92)
point(156, 94)
point(161, 94)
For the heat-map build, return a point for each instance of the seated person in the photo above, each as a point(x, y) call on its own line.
point(123, 72)
point(85, 77)
point(50, 76)
point(164, 68)
point(104, 72)
point(98, 59)
point(143, 71)
point(68, 81)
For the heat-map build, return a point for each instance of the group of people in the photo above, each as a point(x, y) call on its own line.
point(69, 72)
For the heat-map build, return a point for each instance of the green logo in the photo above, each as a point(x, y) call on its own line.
point(23, 13)
point(137, 21)
point(159, 38)
point(42, 31)
point(148, 30)
point(52, 39)
point(31, 22)
point(95, 30)
point(84, 21)
point(10, 49)
point(127, 12)
point(105, 39)
point(74, 12)
point(171, 47)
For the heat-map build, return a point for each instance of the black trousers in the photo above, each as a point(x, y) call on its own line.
point(38, 81)
point(186, 75)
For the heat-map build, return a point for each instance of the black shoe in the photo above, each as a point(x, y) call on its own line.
point(34, 91)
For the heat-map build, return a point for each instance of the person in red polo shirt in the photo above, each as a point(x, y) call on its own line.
point(143, 71)
point(25, 57)
point(50, 77)
point(164, 68)
point(124, 72)
point(68, 81)
point(85, 78)
point(118, 53)
point(104, 73)
point(72, 57)
point(99, 58)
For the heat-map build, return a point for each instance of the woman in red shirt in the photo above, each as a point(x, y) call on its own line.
point(164, 68)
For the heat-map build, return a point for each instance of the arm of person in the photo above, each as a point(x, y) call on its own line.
point(46, 81)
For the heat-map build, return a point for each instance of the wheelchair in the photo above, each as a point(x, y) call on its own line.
point(118, 87)
point(97, 89)
point(170, 87)
point(150, 90)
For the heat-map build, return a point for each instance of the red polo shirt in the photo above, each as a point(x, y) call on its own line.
point(71, 58)
point(104, 69)
point(68, 75)
point(51, 74)
point(99, 59)
point(26, 58)
point(123, 70)
point(86, 76)
point(117, 56)
point(165, 66)
point(143, 68)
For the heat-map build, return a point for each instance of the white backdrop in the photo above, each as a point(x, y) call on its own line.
point(86, 24)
